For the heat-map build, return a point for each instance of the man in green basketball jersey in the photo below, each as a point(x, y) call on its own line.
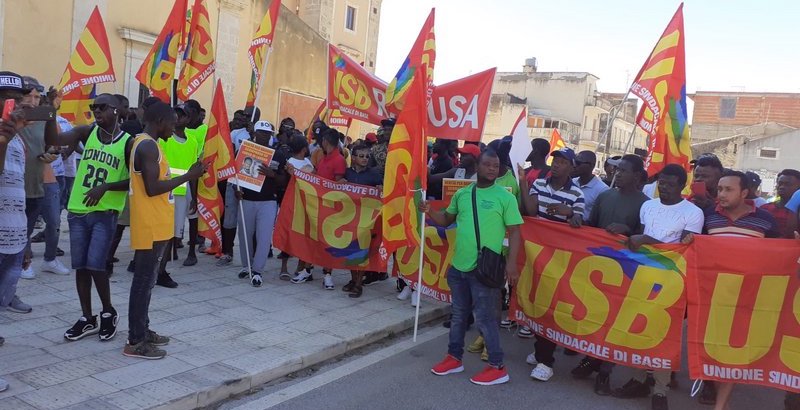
point(196, 130)
point(98, 195)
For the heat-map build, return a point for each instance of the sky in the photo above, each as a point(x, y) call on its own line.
point(731, 45)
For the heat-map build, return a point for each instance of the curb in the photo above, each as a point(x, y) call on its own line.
point(229, 387)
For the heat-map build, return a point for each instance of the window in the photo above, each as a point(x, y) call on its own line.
point(374, 10)
point(350, 18)
point(768, 153)
point(727, 108)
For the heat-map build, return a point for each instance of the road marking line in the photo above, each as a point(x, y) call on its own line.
point(339, 372)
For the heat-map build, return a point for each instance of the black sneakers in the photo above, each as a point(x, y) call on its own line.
point(585, 368)
point(166, 281)
point(82, 328)
point(155, 339)
point(632, 389)
point(143, 350)
point(659, 402)
point(108, 325)
point(602, 385)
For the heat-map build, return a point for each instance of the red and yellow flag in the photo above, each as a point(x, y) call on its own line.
point(75, 105)
point(556, 143)
point(661, 84)
point(259, 47)
point(218, 153)
point(406, 169)
point(90, 62)
point(198, 62)
point(422, 52)
point(158, 68)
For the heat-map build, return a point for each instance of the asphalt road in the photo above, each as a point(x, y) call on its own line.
point(396, 375)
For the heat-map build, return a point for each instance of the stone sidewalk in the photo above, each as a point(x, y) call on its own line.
point(227, 336)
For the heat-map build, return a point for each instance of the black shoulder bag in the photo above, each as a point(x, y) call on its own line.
point(491, 268)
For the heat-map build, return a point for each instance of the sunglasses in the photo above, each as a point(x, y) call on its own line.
point(98, 107)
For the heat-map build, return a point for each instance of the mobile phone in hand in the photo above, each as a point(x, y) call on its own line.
point(8, 108)
point(699, 189)
point(40, 113)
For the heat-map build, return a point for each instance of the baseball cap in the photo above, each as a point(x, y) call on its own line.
point(263, 126)
point(32, 84)
point(470, 149)
point(753, 178)
point(566, 153)
point(614, 161)
point(371, 137)
point(11, 81)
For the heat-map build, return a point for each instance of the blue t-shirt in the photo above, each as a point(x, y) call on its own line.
point(794, 203)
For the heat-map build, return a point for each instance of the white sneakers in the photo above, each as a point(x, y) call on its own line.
point(405, 293)
point(55, 266)
point(414, 298)
point(542, 373)
point(28, 273)
point(328, 281)
point(531, 360)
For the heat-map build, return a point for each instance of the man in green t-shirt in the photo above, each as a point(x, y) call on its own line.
point(498, 213)
point(196, 130)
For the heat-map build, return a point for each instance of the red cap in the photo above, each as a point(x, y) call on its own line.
point(371, 137)
point(470, 149)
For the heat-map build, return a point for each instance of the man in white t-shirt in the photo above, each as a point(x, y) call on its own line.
point(666, 219)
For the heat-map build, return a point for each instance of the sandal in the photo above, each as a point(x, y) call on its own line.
point(349, 287)
point(357, 291)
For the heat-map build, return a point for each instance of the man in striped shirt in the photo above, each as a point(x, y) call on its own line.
point(555, 198)
point(736, 216)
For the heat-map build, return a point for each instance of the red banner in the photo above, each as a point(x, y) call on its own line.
point(331, 224)
point(583, 289)
point(458, 109)
point(218, 153)
point(354, 90)
point(744, 311)
point(439, 250)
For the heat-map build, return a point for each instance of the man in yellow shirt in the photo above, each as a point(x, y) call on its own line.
point(152, 220)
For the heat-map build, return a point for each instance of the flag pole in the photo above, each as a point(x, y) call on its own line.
point(419, 271)
point(260, 84)
point(244, 228)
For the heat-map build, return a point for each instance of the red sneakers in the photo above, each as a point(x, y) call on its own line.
point(490, 376)
point(448, 366)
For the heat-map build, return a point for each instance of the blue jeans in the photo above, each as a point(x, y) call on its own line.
point(62, 186)
point(470, 296)
point(49, 207)
point(90, 239)
point(10, 270)
point(144, 279)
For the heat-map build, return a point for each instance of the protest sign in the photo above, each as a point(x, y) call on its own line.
point(584, 290)
point(331, 224)
point(451, 185)
point(744, 311)
point(248, 160)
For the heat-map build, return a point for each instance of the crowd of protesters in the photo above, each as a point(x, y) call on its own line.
point(139, 169)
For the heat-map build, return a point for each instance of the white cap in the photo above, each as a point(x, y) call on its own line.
point(263, 126)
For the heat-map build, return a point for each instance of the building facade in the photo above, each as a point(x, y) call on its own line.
point(38, 36)
point(725, 114)
point(569, 102)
